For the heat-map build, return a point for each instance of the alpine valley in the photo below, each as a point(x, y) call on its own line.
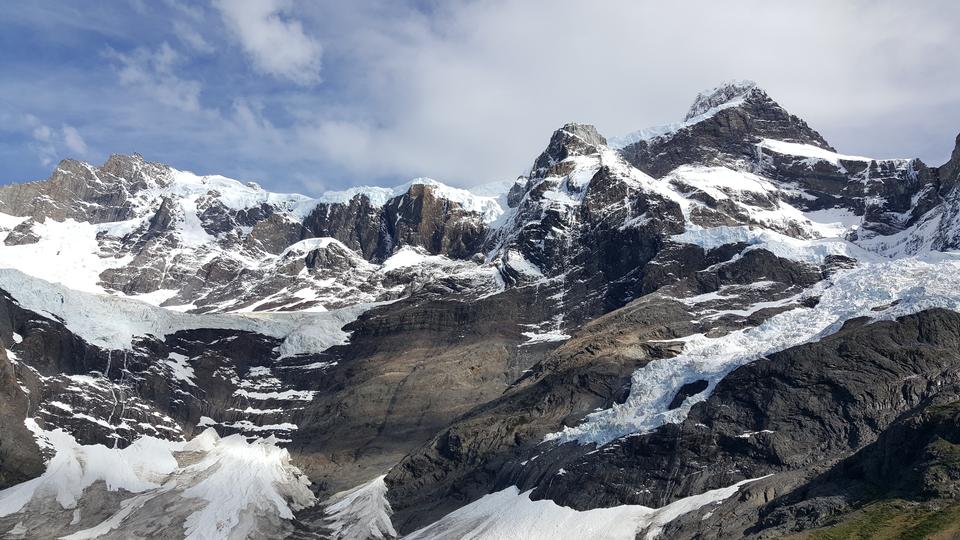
point(719, 328)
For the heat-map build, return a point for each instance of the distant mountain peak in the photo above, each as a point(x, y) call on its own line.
point(586, 132)
point(571, 139)
point(729, 93)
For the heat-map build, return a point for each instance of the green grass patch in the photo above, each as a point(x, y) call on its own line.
point(893, 520)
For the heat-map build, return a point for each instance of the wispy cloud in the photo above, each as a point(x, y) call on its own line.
point(48, 143)
point(190, 37)
point(151, 71)
point(73, 141)
point(274, 40)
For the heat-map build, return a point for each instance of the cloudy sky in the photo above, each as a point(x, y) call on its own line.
point(308, 96)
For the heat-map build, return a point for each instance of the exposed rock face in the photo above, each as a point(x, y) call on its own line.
point(914, 459)
point(798, 419)
point(437, 358)
point(22, 234)
point(587, 220)
point(950, 172)
point(19, 455)
point(568, 141)
point(82, 192)
point(725, 136)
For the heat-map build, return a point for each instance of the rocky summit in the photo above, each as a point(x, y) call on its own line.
point(718, 328)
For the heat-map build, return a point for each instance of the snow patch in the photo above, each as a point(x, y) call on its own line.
point(544, 337)
point(511, 514)
point(403, 258)
point(781, 245)
point(809, 151)
point(834, 222)
point(180, 368)
point(67, 253)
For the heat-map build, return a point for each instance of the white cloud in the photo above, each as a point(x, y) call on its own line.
point(192, 12)
point(48, 141)
point(275, 42)
point(43, 144)
point(152, 72)
point(471, 91)
point(73, 141)
point(191, 38)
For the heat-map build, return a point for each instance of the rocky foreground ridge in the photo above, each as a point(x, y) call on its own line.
point(719, 328)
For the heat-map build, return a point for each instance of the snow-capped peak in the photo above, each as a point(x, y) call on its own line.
point(728, 94)
point(234, 194)
point(706, 104)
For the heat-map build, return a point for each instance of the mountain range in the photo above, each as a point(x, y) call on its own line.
point(718, 328)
